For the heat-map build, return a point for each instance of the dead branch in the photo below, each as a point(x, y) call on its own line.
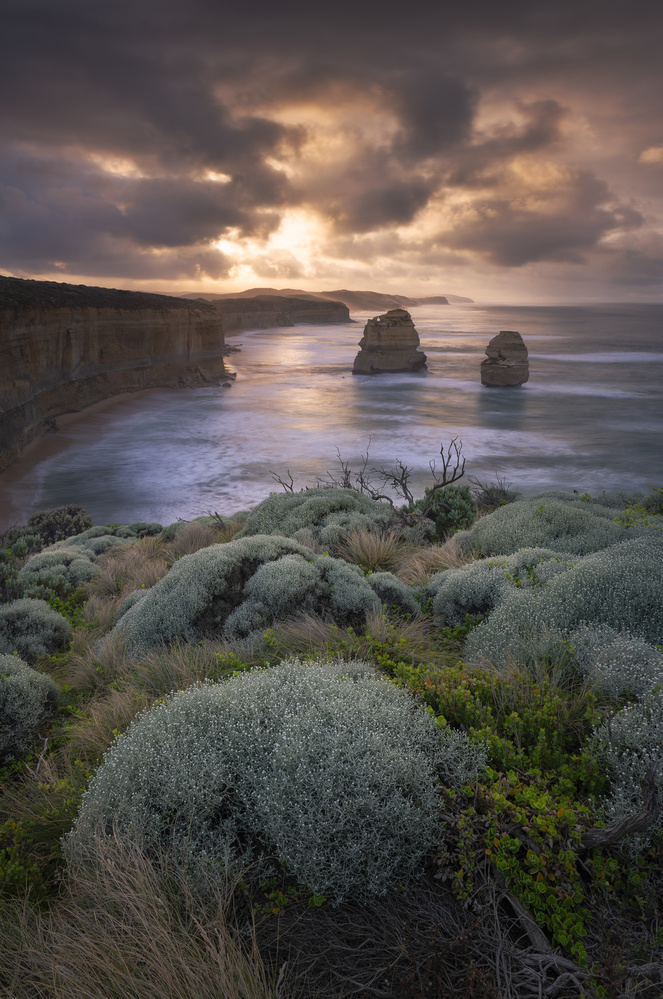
point(637, 823)
point(288, 485)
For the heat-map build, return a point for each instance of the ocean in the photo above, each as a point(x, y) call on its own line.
point(590, 418)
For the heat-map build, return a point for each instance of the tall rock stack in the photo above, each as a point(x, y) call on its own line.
point(389, 343)
point(506, 360)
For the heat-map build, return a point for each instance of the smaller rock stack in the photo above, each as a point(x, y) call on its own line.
point(506, 360)
point(389, 343)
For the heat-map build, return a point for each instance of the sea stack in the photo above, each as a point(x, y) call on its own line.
point(506, 360)
point(389, 343)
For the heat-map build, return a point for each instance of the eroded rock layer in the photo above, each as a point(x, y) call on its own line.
point(390, 343)
point(506, 362)
point(64, 347)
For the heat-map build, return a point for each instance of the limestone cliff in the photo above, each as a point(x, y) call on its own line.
point(64, 347)
point(506, 362)
point(389, 343)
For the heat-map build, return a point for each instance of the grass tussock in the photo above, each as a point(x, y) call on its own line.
point(196, 536)
point(374, 551)
point(130, 928)
point(418, 567)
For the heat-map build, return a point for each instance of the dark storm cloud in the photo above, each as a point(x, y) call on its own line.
point(183, 89)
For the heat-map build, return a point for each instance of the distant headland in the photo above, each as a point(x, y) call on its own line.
point(358, 300)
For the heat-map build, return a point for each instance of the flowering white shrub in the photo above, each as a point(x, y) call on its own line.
point(326, 767)
point(478, 587)
point(558, 521)
point(27, 699)
point(394, 593)
point(628, 743)
point(616, 663)
point(620, 587)
point(31, 628)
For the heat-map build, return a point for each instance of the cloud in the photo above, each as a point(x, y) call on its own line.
point(439, 135)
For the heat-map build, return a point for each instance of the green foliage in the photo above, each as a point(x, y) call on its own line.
point(326, 766)
point(31, 628)
point(452, 509)
point(53, 525)
point(27, 700)
point(558, 521)
point(72, 565)
point(530, 837)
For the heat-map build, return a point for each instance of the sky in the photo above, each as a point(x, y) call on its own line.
point(509, 151)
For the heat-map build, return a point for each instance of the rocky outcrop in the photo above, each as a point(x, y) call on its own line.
point(389, 343)
point(64, 347)
point(506, 360)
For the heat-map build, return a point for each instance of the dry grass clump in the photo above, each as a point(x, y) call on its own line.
point(105, 718)
point(131, 929)
point(194, 536)
point(377, 551)
point(418, 567)
point(125, 568)
point(309, 635)
point(179, 665)
point(92, 665)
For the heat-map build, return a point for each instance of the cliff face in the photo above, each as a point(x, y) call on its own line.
point(65, 347)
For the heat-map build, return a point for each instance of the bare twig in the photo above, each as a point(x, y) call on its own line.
point(288, 484)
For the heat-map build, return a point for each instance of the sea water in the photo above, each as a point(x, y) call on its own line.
point(589, 418)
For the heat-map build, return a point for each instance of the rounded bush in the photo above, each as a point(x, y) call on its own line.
point(70, 564)
point(628, 744)
point(317, 516)
point(31, 628)
point(241, 586)
point(619, 587)
point(478, 587)
point(326, 767)
point(615, 663)
point(54, 525)
point(394, 593)
point(27, 700)
point(557, 521)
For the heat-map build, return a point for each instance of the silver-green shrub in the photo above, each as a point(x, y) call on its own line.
point(240, 586)
point(628, 743)
point(619, 587)
point(27, 700)
point(326, 767)
point(31, 628)
point(97, 540)
point(292, 585)
point(558, 521)
point(394, 593)
point(615, 663)
point(324, 516)
point(478, 587)
point(70, 564)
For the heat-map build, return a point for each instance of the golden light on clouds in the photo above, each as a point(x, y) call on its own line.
point(652, 155)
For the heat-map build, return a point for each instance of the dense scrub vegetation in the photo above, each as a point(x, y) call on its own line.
point(335, 747)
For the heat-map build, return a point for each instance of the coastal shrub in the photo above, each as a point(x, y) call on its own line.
point(619, 586)
point(477, 588)
point(69, 564)
point(27, 699)
point(215, 589)
point(628, 743)
point(53, 525)
point(394, 593)
point(326, 767)
point(557, 521)
point(325, 514)
point(97, 540)
point(615, 663)
point(452, 509)
point(31, 628)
